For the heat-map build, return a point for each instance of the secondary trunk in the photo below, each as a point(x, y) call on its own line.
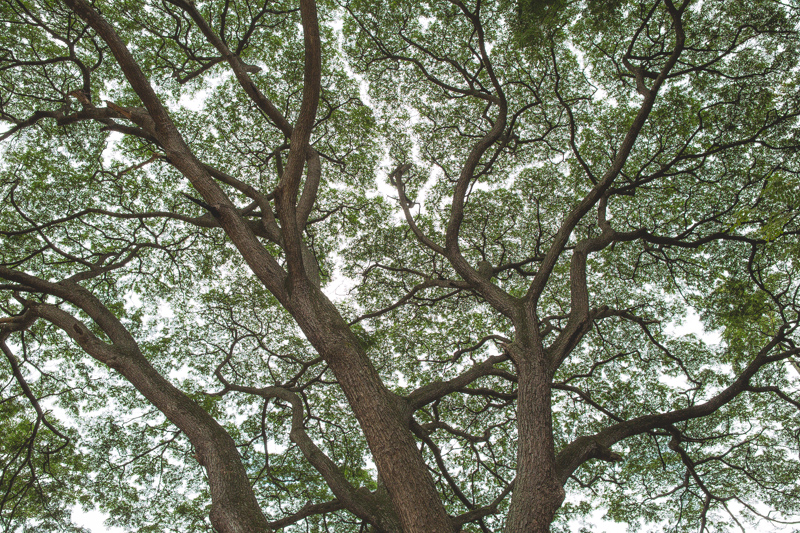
point(381, 414)
point(537, 491)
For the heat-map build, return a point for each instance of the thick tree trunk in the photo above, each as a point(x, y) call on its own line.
point(382, 415)
point(537, 491)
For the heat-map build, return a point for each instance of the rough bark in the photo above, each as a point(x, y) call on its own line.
point(383, 416)
point(234, 507)
point(538, 492)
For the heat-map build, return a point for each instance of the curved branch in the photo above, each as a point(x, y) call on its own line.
point(480, 512)
point(360, 501)
point(598, 191)
point(26, 390)
point(433, 391)
point(307, 510)
point(396, 179)
point(237, 65)
point(410, 294)
point(420, 432)
point(263, 265)
point(581, 449)
point(233, 501)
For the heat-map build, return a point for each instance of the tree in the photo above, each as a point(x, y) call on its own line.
point(236, 296)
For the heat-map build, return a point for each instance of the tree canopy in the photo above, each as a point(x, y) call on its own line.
point(400, 266)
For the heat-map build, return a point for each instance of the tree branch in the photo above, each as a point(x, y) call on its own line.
point(581, 449)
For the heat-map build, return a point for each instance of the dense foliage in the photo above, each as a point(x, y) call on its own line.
point(420, 266)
